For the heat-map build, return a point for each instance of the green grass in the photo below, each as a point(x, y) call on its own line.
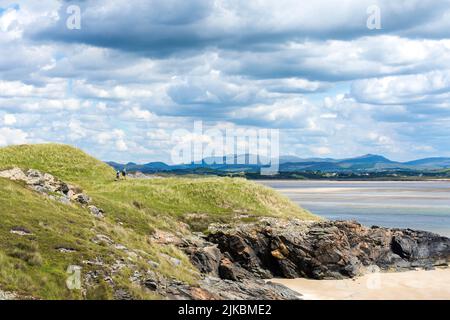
point(141, 203)
point(65, 162)
point(33, 267)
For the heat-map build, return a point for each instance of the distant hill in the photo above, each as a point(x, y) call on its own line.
point(368, 162)
point(148, 167)
point(438, 162)
point(295, 159)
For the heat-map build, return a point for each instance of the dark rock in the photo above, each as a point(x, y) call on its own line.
point(121, 294)
point(247, 289)
point(403, 246)
point(232, 271)
point(64, 188)
point(151, 284)
point(206, 259)
point(212, 288)
point(322, 250)
point(81, 198)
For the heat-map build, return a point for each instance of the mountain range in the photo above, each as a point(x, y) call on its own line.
point(241, 163)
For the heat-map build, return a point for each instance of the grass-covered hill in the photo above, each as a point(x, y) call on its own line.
point(33, 266)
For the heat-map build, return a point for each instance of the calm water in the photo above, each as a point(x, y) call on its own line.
point(423, 205)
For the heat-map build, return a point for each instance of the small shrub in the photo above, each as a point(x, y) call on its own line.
point(28, 252)
point(138, 205)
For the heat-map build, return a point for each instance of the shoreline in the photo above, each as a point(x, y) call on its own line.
point(418, 205)
point(406, 285)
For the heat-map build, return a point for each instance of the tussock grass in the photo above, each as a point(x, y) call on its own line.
point(32, 265)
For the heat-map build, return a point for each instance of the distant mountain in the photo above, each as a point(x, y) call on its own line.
point(368, 158)
point(369, 162)
point(145, 168)
point(295, 159)
point(236, 159)
point(431, 162)
point(241, 163)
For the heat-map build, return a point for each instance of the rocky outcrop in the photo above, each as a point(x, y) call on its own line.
point(41, 182)
point(319, 250)
point(212, 288)
point(206, 257)
point(50, 186)
point(234, 260)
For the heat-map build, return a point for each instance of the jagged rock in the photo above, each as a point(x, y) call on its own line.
point(45, 183)
point(81, 198)
point(151, 284)
point(206, 259)
point(253, 289)
point(51, 187)
point(211, 288)
point(231, 271)
point(320, 250)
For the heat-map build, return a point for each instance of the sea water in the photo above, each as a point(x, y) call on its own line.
point(420, 205)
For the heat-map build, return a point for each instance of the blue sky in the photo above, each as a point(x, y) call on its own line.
point(138, 70)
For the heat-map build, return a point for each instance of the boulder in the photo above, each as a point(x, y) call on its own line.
point(81, 198)
point(15, 174)
point(320, 250)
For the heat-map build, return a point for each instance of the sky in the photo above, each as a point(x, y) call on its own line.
point(136, 71)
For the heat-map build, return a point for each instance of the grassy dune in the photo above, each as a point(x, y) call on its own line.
point(32, 265)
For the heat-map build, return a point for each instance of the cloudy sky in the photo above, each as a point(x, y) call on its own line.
point(138, 70)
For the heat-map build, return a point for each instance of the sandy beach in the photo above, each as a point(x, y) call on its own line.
point(409, 285)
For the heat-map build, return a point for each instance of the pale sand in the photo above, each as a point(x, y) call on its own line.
point(409, 285)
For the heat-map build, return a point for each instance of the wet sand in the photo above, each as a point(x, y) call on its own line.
point(409, 285)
